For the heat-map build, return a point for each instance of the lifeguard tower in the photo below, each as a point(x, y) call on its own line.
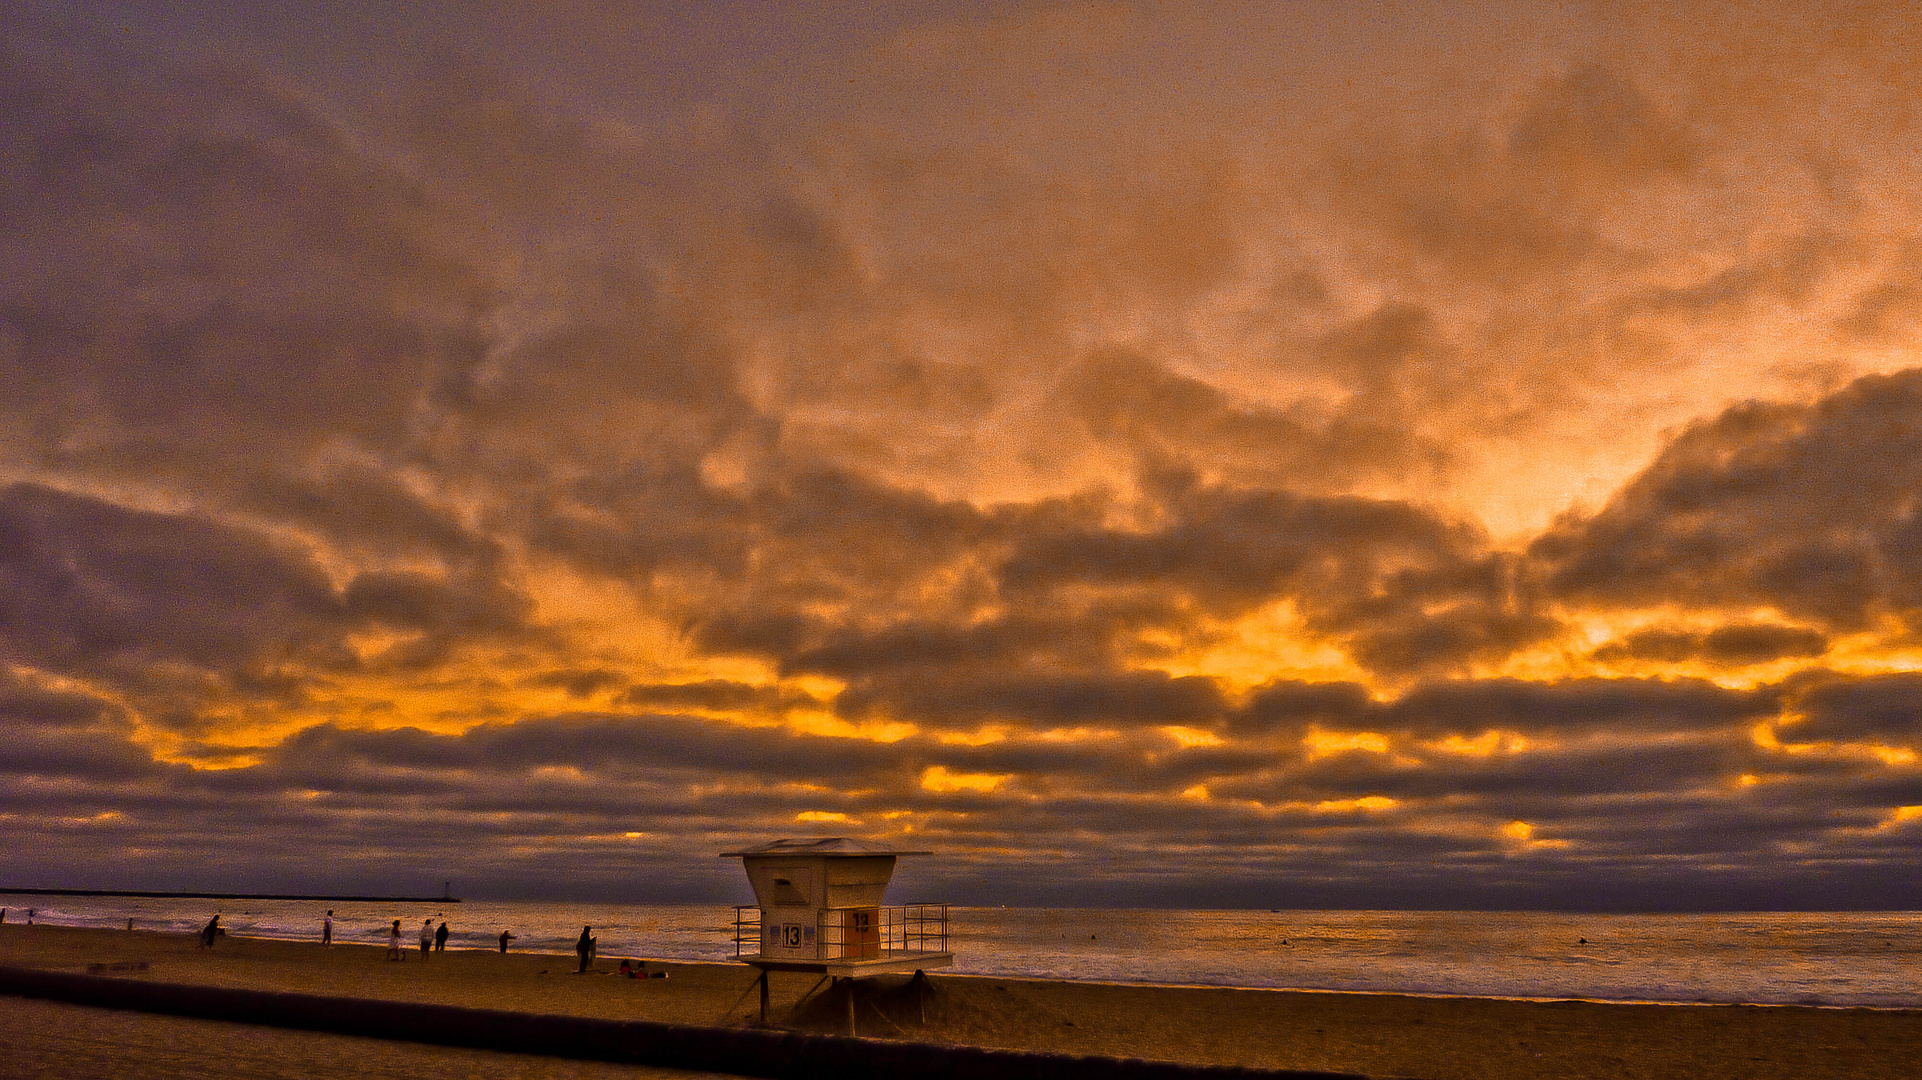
point(818, 909)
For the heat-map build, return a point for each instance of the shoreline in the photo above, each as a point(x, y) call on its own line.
point(950, 973)
point(1375, 1034)
point(1804, 960)
point(1425, 994)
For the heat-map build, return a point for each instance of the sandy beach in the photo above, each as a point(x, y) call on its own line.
point(1379, 1035)
point(49, 1040)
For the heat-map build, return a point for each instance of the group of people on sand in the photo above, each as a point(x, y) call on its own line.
point(434, 939)
point(431, 940)
point(587, 945)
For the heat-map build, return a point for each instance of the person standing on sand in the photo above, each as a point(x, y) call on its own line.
point(440, 937)
point(209, 932)
point(426, 938)
point(327, 928)
point(584, 948)
point(393, 943)
point(506, 936)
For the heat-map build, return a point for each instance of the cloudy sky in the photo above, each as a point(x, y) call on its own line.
point(1321, 454)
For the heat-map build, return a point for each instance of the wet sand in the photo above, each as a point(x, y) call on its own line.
point(1380, 1035)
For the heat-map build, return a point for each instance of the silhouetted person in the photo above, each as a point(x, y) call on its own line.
point(209, 932)
point(440, 938)
point(506, 936)
point(30, 916)
point(3, 916)
point(426, 938)
point(584, 948)
point(327, 928)
point(393, 942)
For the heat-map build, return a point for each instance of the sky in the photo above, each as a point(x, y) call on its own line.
point(1292, 455)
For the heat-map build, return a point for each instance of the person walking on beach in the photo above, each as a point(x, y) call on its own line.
point(506, 936)
point(327, 928)
point(584, 948)
point(393, 943)
point(209, 932)
point(440, 937)
point(426, 938)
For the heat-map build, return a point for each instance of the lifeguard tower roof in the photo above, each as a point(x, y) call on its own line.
point(831, 846)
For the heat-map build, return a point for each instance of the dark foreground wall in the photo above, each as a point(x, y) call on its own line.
point(742, 1051)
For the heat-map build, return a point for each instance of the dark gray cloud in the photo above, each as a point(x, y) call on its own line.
point(1130, 699)
point(366, 510)
point(157, 604)
point(1404, 590)
point(1809, 509)
point(60, 737)
point(1725, 646)
point(1145, 411)
point(1550, 784)
point(1881, 708)
point(1622, 707)
point(567, 784)
point(87, 583)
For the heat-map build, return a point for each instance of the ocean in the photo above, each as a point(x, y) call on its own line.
point(1777, 958)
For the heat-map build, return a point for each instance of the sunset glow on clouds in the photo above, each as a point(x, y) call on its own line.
point(1315, 456)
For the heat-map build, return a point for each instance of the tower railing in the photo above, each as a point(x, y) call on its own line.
point(856, 933)
point(747, 930)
